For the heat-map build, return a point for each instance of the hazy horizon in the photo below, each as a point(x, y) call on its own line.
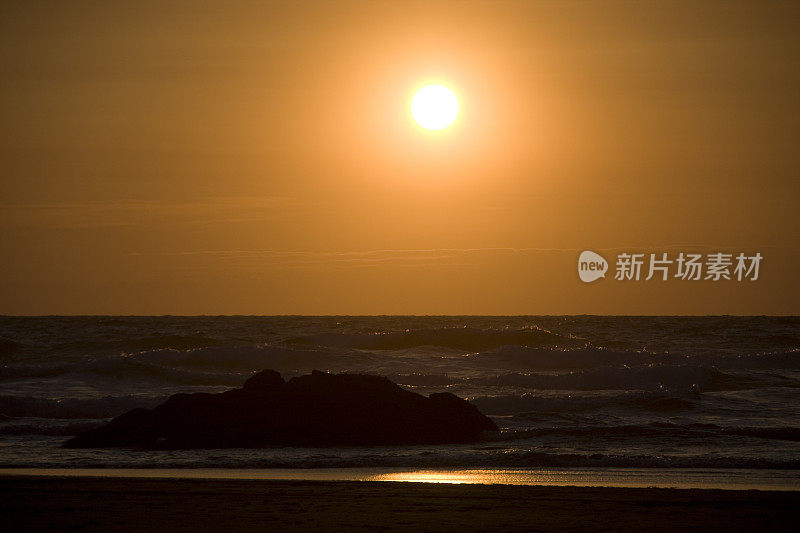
point(391, 315)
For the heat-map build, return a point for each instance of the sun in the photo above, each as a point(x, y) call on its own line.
point(434, 107)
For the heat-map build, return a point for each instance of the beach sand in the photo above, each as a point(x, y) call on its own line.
point(101, 504)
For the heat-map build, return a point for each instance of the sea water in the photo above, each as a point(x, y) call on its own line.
point(571, 393)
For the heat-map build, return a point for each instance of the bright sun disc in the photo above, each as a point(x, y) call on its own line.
point(434, 107)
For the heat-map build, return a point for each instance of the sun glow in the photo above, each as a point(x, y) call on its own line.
point(434, 107)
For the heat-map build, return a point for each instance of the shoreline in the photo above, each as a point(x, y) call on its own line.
point(98, 504)
point(633, 478)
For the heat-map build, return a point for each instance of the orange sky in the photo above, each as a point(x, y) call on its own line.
point(254, 158)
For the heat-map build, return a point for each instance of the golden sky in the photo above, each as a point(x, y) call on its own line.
point(261, 158)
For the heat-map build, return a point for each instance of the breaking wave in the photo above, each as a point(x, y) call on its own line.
point(469, 339)
point(684, 379)
point(422, 457)
point(659, 430)
point(539, 405)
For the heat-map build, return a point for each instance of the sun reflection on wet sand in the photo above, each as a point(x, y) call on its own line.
point(490, 477)
point(720, 479)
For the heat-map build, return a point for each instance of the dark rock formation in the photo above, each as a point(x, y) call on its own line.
point(314, 410)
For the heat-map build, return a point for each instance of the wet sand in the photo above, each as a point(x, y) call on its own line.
point(101, 504)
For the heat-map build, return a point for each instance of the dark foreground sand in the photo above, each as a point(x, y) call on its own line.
point(104, 504)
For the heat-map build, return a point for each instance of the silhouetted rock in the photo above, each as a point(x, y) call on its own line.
point(314, 410)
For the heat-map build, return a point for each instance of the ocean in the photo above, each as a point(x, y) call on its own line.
point(581, 392)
